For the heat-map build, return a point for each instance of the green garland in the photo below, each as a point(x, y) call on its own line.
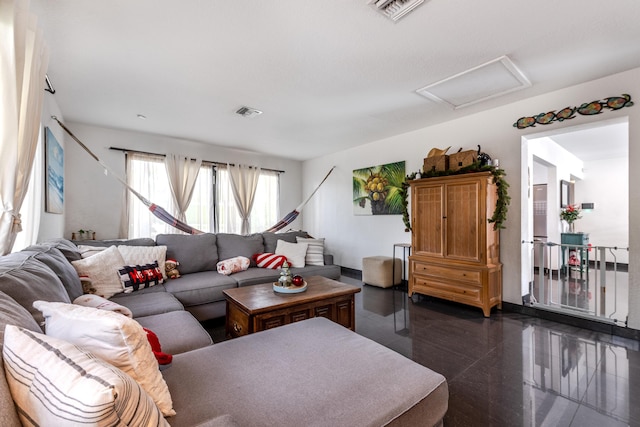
point(502, 204)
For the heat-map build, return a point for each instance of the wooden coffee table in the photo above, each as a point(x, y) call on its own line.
point(256, 308)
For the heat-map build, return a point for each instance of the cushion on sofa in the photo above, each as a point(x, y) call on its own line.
point(114, 338)
point(233, 265)
point(138, 277)
point(55, 383)
point(25, 279)
point(233, 245)
point(141, 255)
point(178, 331)
point(315, 250)
point(195, 253)
point(96, 301)
point(144, 303)
point(11, 313)
point(200, 288)
point(271, 239)
point(56, 261)
point(269, 260)
point(295, 252)
point(102, 270)
point(68, 248)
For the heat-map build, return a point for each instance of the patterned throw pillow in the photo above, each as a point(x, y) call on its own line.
point(233, 265)
point(136, 277)
point(315, 251)
point(268, 260)
point(55, 383)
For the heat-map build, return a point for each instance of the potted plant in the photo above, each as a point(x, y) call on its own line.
point(570, 214)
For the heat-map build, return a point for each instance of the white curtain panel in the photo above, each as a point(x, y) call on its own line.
point(23, 64)
point(147, 175)
point(244, 181)
point(183, 173)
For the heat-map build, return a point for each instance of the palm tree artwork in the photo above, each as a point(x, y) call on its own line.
point(377, 189)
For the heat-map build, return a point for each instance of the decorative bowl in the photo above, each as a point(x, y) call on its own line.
point(289, 289)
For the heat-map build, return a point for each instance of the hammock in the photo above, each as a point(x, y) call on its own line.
point(291, 216)
point(165, 216)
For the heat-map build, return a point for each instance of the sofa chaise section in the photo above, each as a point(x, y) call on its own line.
point(312, 373)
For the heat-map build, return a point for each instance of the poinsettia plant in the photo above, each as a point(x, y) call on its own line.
point(570, 213)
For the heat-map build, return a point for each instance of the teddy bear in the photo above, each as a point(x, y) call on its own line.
point(170, 267)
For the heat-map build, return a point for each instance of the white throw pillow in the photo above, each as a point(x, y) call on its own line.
point(141, 255)
point(55, 383)
point(102, 270)
point(114, 338)
point(315, 251)
point(295, 252)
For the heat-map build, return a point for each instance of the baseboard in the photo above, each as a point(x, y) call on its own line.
point(592, 325)
point(351, 272)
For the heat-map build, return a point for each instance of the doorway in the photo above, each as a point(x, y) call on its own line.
point(581, 272)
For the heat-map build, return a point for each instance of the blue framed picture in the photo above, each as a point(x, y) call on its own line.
point(54, 176)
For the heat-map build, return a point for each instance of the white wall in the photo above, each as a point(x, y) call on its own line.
point(52, 225)
point(94, 200)
point(351, 237)
point(607, 186)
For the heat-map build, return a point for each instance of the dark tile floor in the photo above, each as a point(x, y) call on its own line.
point(510, 369)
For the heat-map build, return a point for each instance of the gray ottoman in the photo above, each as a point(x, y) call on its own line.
point(377, 271)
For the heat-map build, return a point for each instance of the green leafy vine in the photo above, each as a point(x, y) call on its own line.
point(502, 204)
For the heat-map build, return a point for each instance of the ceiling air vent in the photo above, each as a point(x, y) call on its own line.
point(248, 112)
point(395, 9)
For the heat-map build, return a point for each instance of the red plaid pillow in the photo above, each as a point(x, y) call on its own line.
point(268, 260)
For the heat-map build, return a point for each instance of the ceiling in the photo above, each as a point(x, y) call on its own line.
point(328, 75)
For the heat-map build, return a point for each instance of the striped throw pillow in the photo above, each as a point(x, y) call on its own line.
point(136, 277)
point(315, 251)
point(55, 383)
point(268, 260)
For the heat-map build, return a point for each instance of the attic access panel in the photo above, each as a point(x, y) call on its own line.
point(489, 80)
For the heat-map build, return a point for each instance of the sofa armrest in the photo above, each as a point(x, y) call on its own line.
point(328, 259)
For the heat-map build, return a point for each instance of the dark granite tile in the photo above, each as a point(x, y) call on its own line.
point(507, 370)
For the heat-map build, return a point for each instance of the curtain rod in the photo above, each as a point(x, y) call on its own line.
point(125, 150)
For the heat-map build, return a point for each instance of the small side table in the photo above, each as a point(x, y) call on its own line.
point(406, 252)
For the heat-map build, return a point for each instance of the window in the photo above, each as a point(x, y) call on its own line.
point(148, 176)
point(265, 211)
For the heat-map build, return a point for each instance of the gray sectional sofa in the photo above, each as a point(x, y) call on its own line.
point(199, 289)
point(313, 372)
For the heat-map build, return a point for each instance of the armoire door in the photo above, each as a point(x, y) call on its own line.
point(462, 221)
point(428, 236)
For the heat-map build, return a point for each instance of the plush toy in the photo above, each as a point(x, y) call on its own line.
point(170, 267)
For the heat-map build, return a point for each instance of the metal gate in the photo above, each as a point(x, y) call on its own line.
point(580, 280)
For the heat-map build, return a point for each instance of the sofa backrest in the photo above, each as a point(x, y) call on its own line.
point(194, 253)
point(11, 313)
point(60, 265)
point(26, 279)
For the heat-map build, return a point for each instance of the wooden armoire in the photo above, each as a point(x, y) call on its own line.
point(455, 250)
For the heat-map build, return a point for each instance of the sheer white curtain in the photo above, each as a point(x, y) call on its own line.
point(244, 181)
point(23, 64)
point(182, 173)
point(148, 176)
point(32, 203)
point(266, 203)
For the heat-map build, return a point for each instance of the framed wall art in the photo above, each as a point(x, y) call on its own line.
point(54, 174)
point(565, 193)
point(377, 189)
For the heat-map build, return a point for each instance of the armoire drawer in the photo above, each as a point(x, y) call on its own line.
point(449, 273)
point(451, 291)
